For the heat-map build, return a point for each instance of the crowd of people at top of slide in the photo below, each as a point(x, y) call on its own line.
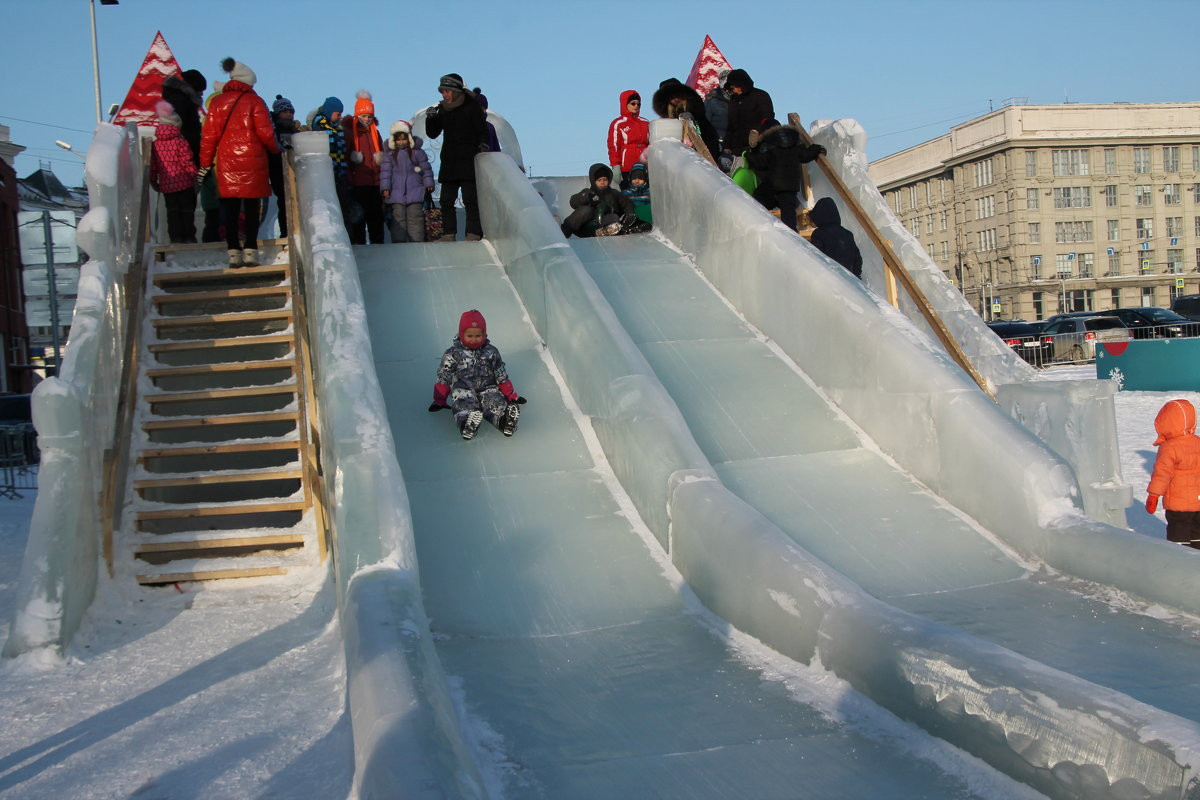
point(233, 130)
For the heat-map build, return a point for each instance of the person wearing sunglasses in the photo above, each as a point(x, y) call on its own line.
point(628, 136)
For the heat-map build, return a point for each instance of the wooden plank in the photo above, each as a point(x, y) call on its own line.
point(894, 265)
point(220, 394)
point(220, 544)
point(224, 419)
point(216, 247)
point(210, 575)
point(162, 279)
point(220, 294)
point(691, 135)
point(186, 512)
point(204, 450)
point(222, 319)
point(232, 341)
point(208, 480)
point(228, 366)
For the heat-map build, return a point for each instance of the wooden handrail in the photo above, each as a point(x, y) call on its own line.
point(895, 268)
point(116, 455)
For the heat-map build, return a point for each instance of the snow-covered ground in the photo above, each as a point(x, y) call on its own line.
point(239, 691)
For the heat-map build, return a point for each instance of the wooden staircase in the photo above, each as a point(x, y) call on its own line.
point(223, 479)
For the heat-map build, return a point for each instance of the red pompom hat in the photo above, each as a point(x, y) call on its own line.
point(471, 319)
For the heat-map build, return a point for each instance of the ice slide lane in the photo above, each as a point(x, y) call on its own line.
point(563, 632)
point(780, 445)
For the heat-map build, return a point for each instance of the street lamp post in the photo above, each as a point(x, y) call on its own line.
point(96, 51)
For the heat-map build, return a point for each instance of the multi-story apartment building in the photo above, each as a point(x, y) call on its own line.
point(1032, 210)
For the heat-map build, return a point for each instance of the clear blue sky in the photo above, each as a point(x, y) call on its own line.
point(555, 68)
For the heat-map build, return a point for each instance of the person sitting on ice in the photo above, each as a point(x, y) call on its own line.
point(832, 239)
point(599, 210)
point(638, 191)
point(473, 382)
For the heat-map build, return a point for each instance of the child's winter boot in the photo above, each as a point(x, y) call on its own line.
point(250, 257)
point(471, 424)
point(235, 258)
point(508, 423)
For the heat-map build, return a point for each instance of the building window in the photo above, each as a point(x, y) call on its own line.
point(912, 196)
point(1030, 163)
point(1114, 230)
point(1141, 159)
point(1031, 199)
point(1170, 159)
point(1145, 261)
point(1196, 192)
point(1063, 264)
point(1087, 264)
point(899, 201)
point(1110, 195)
point(1145, 227)
point(942, 190)
point(929, 223)
point(1174, 292)
point(1197, 223)
point(1070, 162)
point(1147, 295)
point(1039, 305)
point(1172, 194)
point(1114, 264)
point(945, 251)
point(943, 220)
point(985, 207)
point(1143, 195)
point(987, 239)
point(1175, 259)
point(1035, 268)
point(928, 193)
point(1110, 161)
point(1114, 298)
point(1198, 259)
point(1068, 232)
point(1035, 233)
point(1073, 197)
point(1195, 158)
point(1174, 226)
point(983, 172)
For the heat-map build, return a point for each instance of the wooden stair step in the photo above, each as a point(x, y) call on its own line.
point(222, 319)
point(204, 450)
point(220, 394)
point(162, 279)
point(177, 572)
point(212, 344)
point(227, 366)
point(203, 541)
point(186, 512)
point(208, 480)
point(221, 294)
point(221, 419)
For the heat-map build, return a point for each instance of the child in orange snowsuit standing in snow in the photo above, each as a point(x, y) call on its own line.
point(1176, 476)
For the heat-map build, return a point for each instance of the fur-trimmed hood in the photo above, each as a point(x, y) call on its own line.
point(672, 87)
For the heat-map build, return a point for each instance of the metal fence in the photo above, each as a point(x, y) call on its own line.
point(19, 458)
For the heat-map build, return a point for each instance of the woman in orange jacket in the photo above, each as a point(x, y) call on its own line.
point(1176, 476)
point(238, 134)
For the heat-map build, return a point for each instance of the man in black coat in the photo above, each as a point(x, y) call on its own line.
point(749, 109)
point(185, 95)
point(776, 157)
point(674, 99)
point(464, 125)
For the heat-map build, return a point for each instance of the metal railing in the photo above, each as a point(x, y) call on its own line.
point(19, 457)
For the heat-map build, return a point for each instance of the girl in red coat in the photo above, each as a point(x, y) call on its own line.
point(173, 173)
point(238, 135)
point(628, 136)
point(1176, 475)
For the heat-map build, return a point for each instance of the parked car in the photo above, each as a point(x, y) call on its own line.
point(1023, 337)
point(1149, 322)
point(1074, 338)
point(1187, 305)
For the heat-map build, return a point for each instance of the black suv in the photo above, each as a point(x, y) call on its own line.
point(1150, 322)
point(1187, 305)
point(1023, 337)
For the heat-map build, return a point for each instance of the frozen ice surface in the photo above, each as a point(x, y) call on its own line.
point(588, 664)
point(781, 446)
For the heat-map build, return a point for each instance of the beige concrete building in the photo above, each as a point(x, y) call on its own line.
point(1032, 210)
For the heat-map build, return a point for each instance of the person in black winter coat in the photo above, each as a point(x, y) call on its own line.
point(776, 156)
point(464, 125)
point(674, 99)
point(749, 110)
point(832, 239)
point(599, 210)
point(185, 94)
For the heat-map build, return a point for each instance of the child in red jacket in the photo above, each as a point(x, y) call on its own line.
point(1176, 475)
point(472, 381)
point(173, 173)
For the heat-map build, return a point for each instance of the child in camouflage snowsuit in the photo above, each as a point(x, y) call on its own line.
point(473, 382)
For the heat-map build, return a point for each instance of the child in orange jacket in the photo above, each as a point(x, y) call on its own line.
point(1176, 476)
